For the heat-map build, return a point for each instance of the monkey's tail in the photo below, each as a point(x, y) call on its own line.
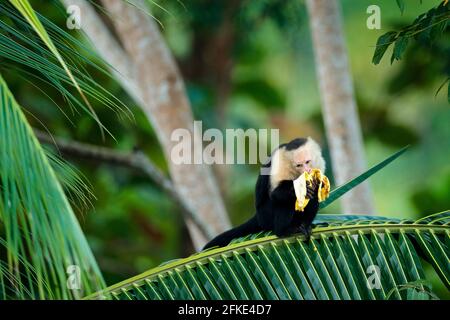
point(251, 226)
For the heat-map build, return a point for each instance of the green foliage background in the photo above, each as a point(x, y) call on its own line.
point(272, 84)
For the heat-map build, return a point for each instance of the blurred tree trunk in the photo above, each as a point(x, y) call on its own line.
point(338, 102)
point(168, 109)
point(156, 85)
point(212, 49)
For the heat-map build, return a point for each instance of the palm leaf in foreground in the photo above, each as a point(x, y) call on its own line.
point(42, 235)
point(27, 11)
point(338, 263)
point(44, 55)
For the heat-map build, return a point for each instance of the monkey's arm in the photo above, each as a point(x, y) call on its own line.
point(286, 219)
point(283, 206)
point(307, 216)
point(284, 192)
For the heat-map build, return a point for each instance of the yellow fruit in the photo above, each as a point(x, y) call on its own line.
point(300, 187)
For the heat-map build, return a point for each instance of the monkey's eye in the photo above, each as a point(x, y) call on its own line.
point(308, 162)
point(298, 165)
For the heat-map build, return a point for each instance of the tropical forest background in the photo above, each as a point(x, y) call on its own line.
point(245, 64)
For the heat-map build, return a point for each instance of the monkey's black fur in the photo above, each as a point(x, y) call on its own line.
point(275, 211)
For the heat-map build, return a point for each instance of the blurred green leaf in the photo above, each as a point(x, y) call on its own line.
point(340, 191)
point(426, 27)
point(262, 92)
point(401, 5)
point(382, 44)
point(399, 48)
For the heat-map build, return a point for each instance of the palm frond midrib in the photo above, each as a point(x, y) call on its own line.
point(321, 236)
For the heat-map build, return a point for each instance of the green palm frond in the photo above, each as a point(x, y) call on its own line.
point(39, 226)
point(53, 57)
point(27, 11)
point(338, 262)
point(74, 183)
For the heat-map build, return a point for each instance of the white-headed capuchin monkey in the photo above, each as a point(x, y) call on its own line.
point(275, 195)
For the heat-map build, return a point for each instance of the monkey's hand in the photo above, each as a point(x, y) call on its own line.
point(312, 187)
point(305, 230)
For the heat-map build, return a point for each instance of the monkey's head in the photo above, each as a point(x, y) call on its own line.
point(305, 156)
point(292, 159)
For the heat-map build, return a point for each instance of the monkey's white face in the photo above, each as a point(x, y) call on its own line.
point(289, 165)
point(307, 157)
point(301, 160)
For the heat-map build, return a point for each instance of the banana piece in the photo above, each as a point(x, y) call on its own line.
point(300, 192)
point(300, 187)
